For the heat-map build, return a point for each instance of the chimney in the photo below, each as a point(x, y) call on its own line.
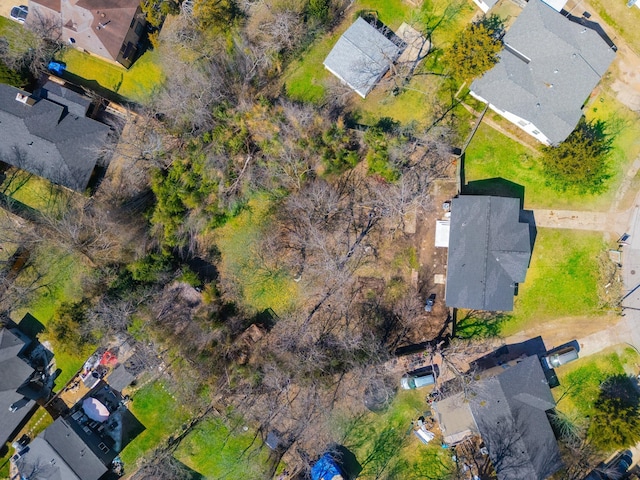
point(26, 99)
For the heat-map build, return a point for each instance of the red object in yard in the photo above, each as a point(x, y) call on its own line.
point(108, 359)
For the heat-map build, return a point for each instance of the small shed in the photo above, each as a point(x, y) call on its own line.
point(362, 56)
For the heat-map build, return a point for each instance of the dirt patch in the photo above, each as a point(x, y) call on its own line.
point(566, 329)
point(627, 82)
point(433, 260)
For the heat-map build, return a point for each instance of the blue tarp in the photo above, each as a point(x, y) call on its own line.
point(325, 469)
point(57, 67)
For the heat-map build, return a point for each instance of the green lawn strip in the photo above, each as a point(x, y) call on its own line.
point(138, 83)
point(624, 125)
point(385, 447)
point(561, 280)
point(492, 155)
point(412, 104)
point(15, 33)
point(238, 242)
point(34, 191)
point(622, 20)
point(420, 99)
point(215, 452)
point(580, 380)
point(63, 275)
point(305, 78)
point(161, 416)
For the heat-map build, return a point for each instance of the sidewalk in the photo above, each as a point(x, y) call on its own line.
point(616, 222)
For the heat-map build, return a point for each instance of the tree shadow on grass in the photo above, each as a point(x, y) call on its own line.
point(496, 187)
point(615, 420)
point(479, 324)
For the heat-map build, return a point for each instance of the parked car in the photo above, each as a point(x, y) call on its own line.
point(557, 358)
point(616, 469)
point(620, 464)
point(418, 379)
point(19, 14)
point(428, 306)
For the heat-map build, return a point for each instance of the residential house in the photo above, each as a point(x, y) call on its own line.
point(48, 134)
point(362, 56)
point(548, 68)
point(111, 29)
point(557, 5)
point(20, 384)
point(489, 252)
point(24, 379)
point(509, 411)
point(83, 443)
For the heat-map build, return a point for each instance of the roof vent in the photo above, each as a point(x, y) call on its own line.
point(26, 99)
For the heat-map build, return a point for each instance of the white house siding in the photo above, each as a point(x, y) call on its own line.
point(557, 5)
point(483, 6)
point(521, 123)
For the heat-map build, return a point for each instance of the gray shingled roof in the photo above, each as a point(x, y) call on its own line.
point(48, 140)
point(73, 450)
point(42, 462)
point(361, 56)
point(76, 104)
point(120, 378)
point(13, 373)
point(509, 411)
point(566, 62)
point(489, 252)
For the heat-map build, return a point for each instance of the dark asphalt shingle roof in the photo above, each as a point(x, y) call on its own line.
point(361, 56)
point(73, 451)
point(566, 62)
point(42, 462)
point(489, 252)
point(509, 410)
point(120, 378)
point(76, 104)
point(48, 140)
point(13, 373)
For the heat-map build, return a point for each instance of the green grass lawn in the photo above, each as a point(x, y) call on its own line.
point(305, 78)
point(238, 242)
point(624, 125)
point(492, 155)
point(561, 280)
point(622, 20)
point(137, 83)
point(580, 380)
point(161, 416)
point(385, 446)
point(63, 274)
point(15, 33)
point(34, 191)
point(216, 453)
